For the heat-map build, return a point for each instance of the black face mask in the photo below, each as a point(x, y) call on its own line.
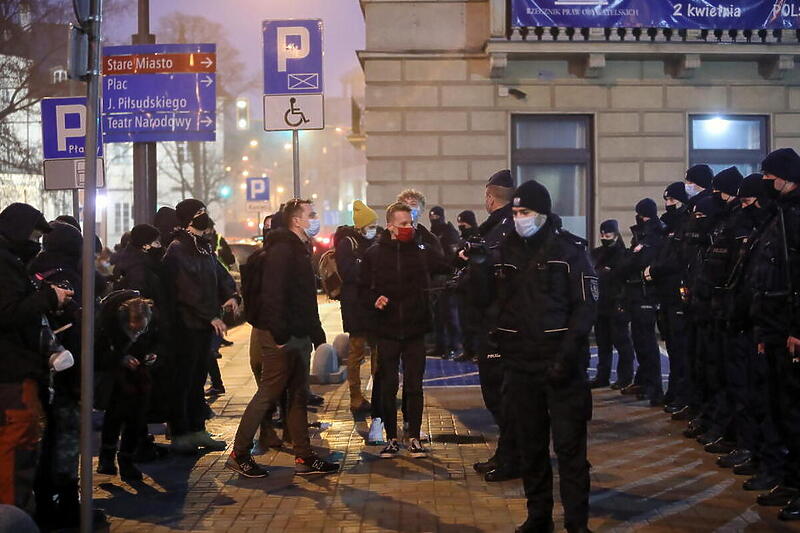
point(672, 208)
point(26, 250)
point(202, 222)
point(770, 190)
point(156, 253)
point(640, 221)
point(607, 242)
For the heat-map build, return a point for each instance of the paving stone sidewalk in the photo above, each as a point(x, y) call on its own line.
point(645, 477)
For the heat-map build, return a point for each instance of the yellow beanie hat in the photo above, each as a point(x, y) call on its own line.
point(363, 216)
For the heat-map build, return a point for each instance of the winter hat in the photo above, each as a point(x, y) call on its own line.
point(502, 178)
point(728, 181)
point(69, 219)
point(700, 175)
point(143, 234)
point(609, 226)
point(187, 209)
point(752, 187)
point(363, 216)
point(533, 195)
point(647, 208)
point(18, 220)
point(467, 217)
point(783, 163)
point(707, 205)
point(437, 211)
point(676, 191)
point(64, 239)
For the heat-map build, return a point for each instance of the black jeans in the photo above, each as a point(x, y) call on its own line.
point(784, 391)
point(645, 343)
point(127, 411)
point(539, 409)
point(213, 363)
point(492, 375)
point(448, 324)
point(412, 353)
point(612, 331)
point(191, 368)
point(677, 341)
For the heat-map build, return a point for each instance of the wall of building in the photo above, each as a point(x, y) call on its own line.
point(435, 119)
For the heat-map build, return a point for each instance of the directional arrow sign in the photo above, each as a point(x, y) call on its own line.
point(163, 92)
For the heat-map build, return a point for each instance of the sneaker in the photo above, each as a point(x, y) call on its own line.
point(183, 443)
point(375, 437)
point(315, 400)
point(391, 450)
point(424, 437)
point(202, 439)
point(215, 391)
point(245, 466)
point(416, 450)
point(313, 465)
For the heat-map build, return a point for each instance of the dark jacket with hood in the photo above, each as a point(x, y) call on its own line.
point(605, 259)
point(351, 245)
point(196, 282)
point(288, 303)
point(142, 271)
point(400, 271)
point(22, 306)
point(547, 292)
point(668, 268)
point(648, 240)
point(499, 224)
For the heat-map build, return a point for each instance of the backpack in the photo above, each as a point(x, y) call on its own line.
point(252, 277)
point(329, 271)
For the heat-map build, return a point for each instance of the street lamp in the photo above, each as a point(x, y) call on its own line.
point(253, 143)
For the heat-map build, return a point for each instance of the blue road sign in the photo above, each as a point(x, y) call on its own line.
point(161, 92)
point(293, 57)
point(64, 128)
point(258, 189)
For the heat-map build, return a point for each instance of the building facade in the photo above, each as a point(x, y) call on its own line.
point(603, 117)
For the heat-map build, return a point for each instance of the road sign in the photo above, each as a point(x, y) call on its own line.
point(64, 128)
point(293, 56)
point(159, 92)
point(293, 75)
point(258, 189)
point(63, 174)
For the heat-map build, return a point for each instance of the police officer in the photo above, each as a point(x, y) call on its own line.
point(612, 328)
point(503, 464)
point(776, 316)
point(666, 271)
point(641, 302)
point(698, 182)
point(547, 293)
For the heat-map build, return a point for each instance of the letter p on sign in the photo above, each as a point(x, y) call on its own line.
point(62, 131)
point(289, 48)
point(257, 188)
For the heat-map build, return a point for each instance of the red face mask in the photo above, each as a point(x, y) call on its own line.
point(405, 234)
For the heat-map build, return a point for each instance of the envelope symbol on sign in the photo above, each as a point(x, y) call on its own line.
point(303, 81)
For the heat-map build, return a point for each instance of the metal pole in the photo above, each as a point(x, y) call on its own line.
point(296, 162)
point(145, 182)
point(76, 204)
point(88, 274)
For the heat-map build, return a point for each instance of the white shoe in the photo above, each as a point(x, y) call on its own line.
point(423, 437)
point(375, 437)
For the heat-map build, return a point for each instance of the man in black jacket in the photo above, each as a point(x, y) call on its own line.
point(23, 362)
point(546, 291)
point(504, 464)
point(698, 183)
point(641, 302)
point(612, 326)
point(394, 285)
point(285, 325)
point(197, 286)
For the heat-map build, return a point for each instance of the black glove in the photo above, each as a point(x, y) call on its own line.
point(557, 374)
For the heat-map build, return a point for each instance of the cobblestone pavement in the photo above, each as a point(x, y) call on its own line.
point(646, 476)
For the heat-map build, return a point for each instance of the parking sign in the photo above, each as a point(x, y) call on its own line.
point(257, 189)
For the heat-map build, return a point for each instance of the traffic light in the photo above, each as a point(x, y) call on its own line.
point(242, 114)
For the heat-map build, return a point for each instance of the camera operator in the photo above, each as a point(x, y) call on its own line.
point(23, 363)
point(546, 292)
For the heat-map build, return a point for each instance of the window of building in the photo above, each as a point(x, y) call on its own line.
point(122, 217)
point(556, 150)
point(720, 141)
point(59, 75)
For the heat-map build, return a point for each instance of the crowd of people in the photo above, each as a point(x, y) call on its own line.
point(714, 276)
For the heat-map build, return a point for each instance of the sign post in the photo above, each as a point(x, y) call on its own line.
point(293, 81)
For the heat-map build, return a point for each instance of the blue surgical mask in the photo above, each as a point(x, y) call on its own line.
point(528, 226)
point(370, 233)
point(414, 214)
point(692, 190)
point(313, 228)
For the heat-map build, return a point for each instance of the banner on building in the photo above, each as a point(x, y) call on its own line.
point(686, 14)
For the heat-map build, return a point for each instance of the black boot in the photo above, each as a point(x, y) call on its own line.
point(485, 466)
point(106, 461)
point(734, 458)
point(761, 481)
point(747, 468)
point(791, 511)
point(778, 496)
point(536, 526)
point(127, 470)
point(501, 473)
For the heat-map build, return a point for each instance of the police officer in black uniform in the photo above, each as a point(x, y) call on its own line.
point(641, 302)
point(504, 464)
point(776, 315)
point(698, 183)
point(666, 272)
point(547, 293)
point(612, 328)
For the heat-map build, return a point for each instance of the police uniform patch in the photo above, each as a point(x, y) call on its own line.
point(516, 201)
point(591, 283)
